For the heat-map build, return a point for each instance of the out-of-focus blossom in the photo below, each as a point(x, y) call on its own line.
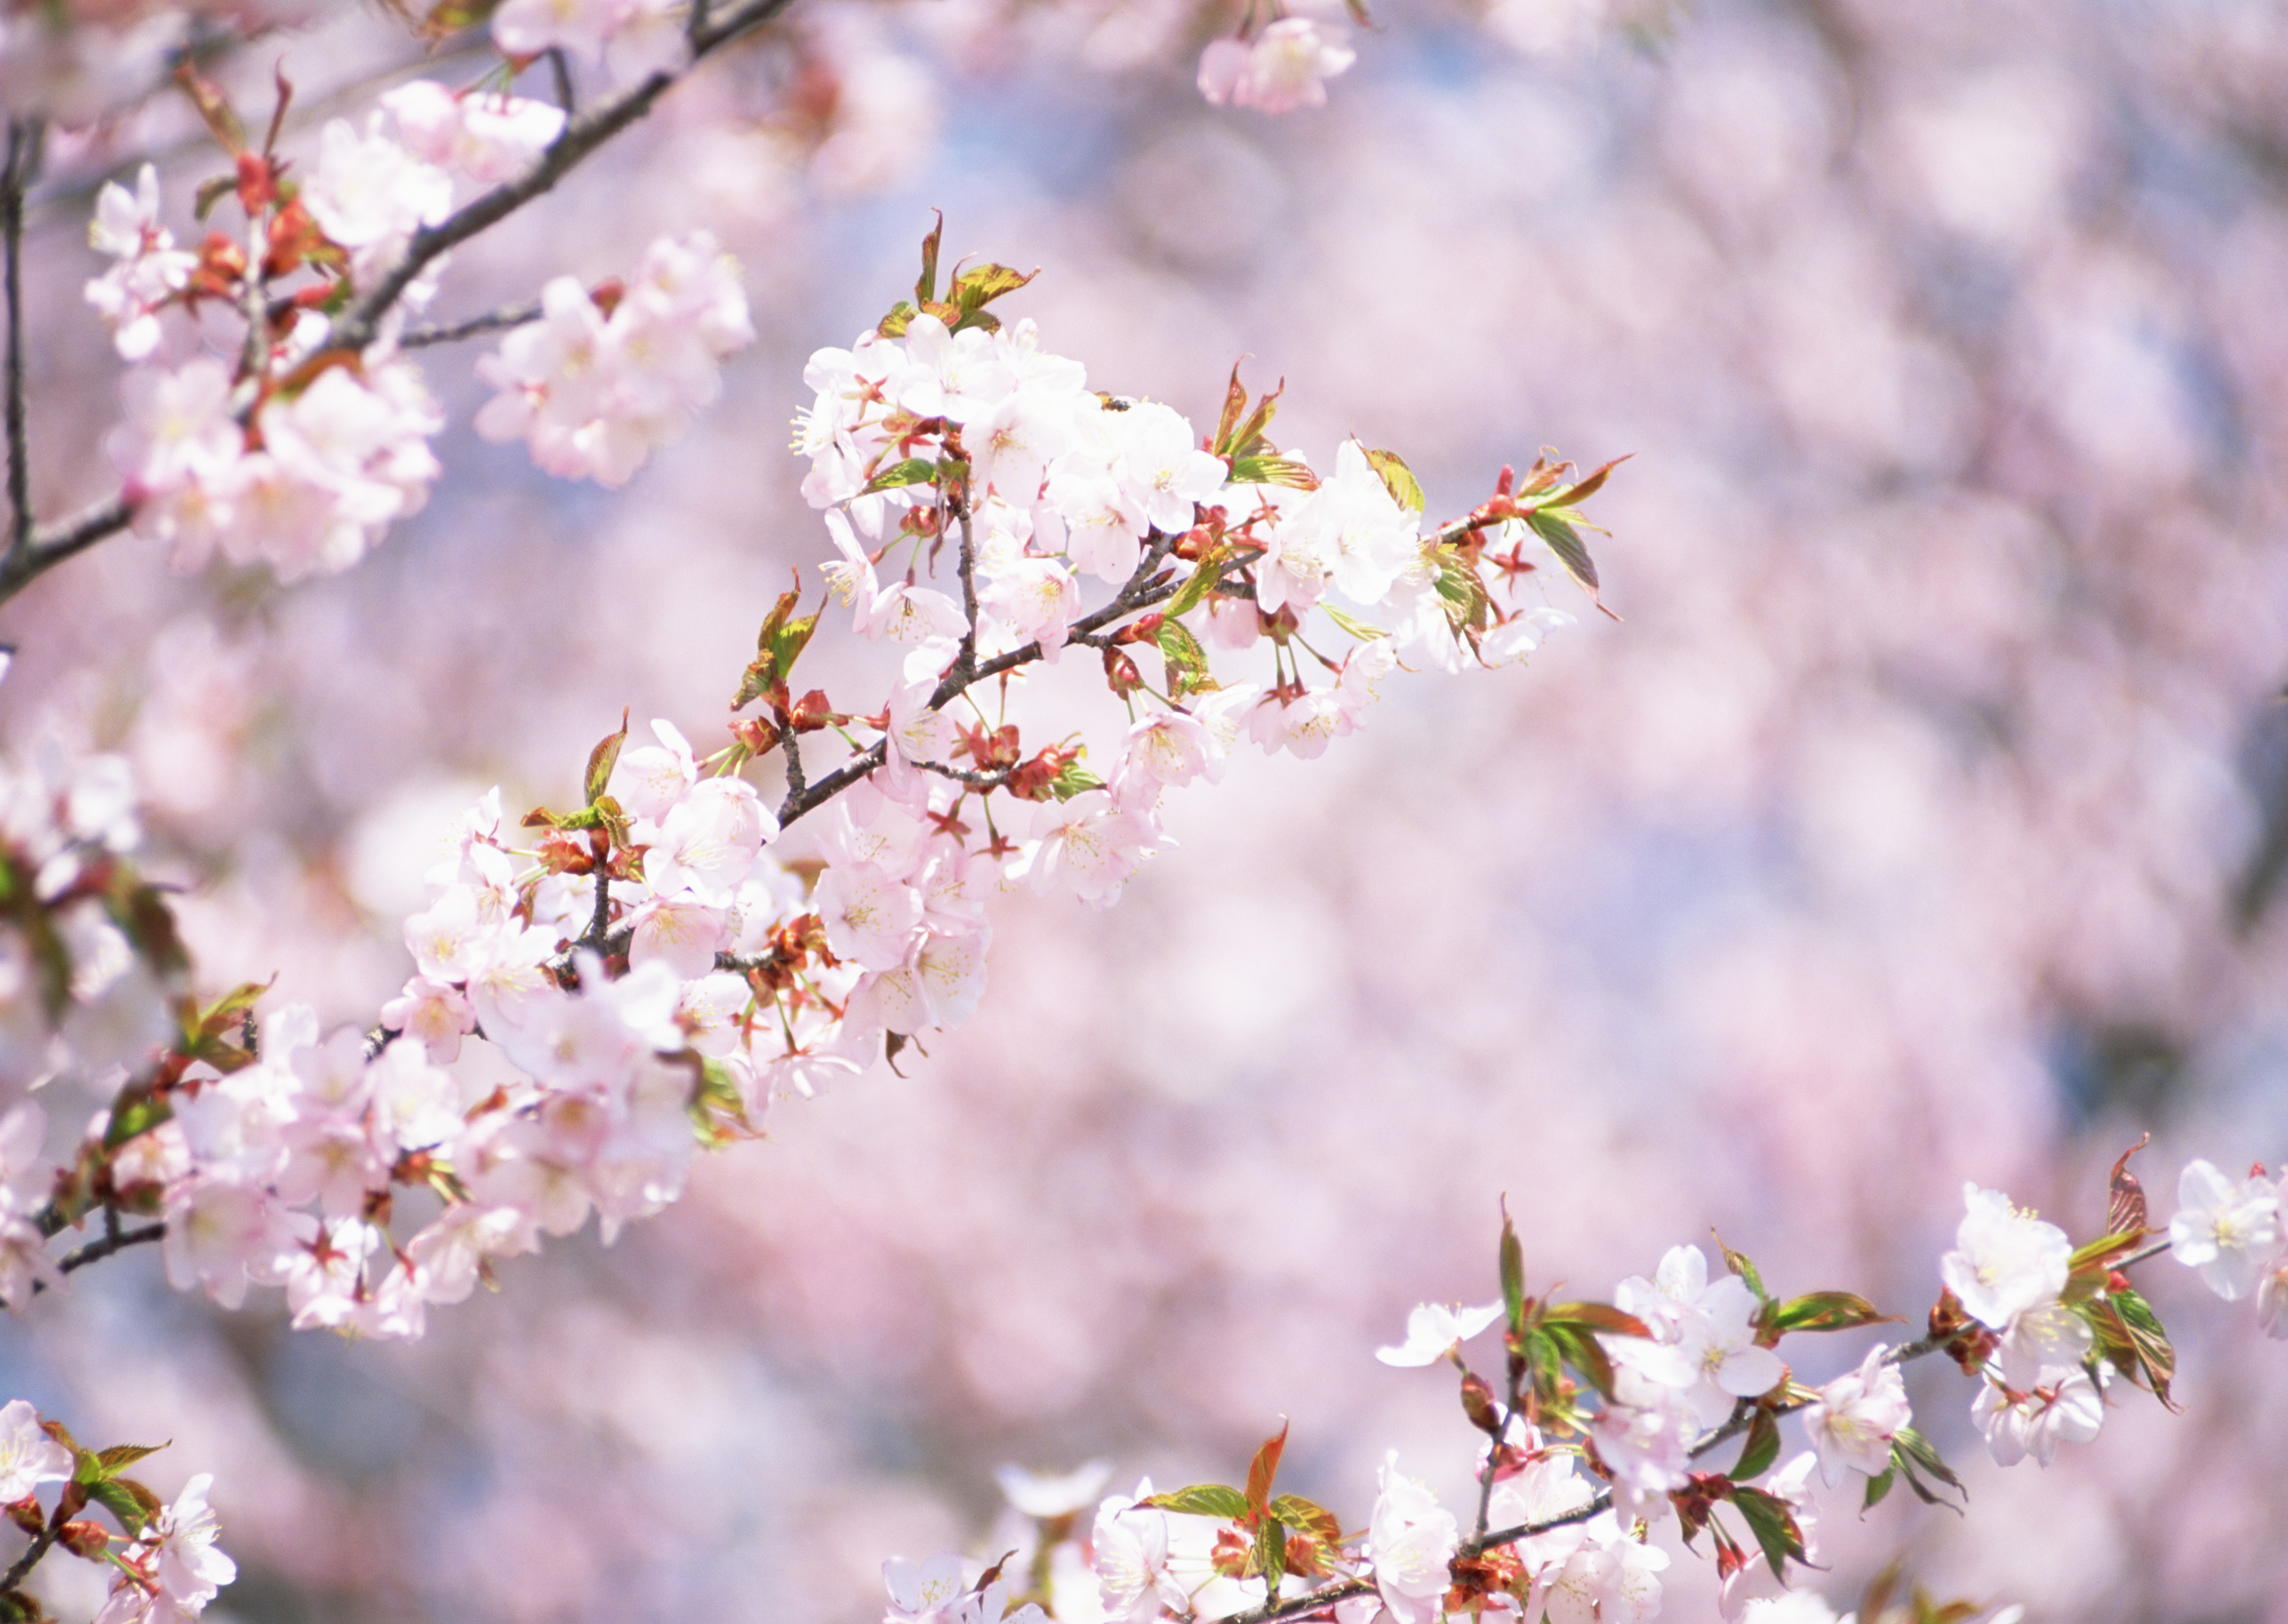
point(1285, 68)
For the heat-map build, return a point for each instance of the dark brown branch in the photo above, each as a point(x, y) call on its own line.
point(498, 321)
point(25, 137)
point(1136, 594)
point(96, 1251)
point(48, 548)
point(560, 74)
point(24, 1564)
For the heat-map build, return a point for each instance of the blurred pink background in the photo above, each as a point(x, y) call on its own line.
point(1921, 820)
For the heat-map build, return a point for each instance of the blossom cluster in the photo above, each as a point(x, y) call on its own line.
point(299, 452)
point(604, 378)
point(87, 956)
point(166, 1566)
point(1610, 1414)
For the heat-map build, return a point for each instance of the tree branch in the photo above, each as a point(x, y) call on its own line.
point(1136, 594)
point(25, 138)
point(37, 552)
point(116, 1240)
point(47, 548)
point(494, 321)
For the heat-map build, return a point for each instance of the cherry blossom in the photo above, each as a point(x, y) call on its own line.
point(2004, 1261)
point(2227, 1231)
point(1434, 1330)
point(28, 1457)
point(1411, 1539)
point(2064, 1405)
point(1286, 67)
point(1857, 1415)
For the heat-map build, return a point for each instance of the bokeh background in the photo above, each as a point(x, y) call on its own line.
point(1923, 820)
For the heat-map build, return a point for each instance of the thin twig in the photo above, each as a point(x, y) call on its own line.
point(24, 142)
point(96, 1251)
point(498, 321)
point(1136, 594)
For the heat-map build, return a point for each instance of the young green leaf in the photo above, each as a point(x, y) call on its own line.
point(1740, 1264)
point(1828, 1310)
point(1202, 580)
point(1761, 1449)
point(1308, 1516)
point(925, 285)
point(1203, 1500)
point(1397, 478)
point(1774, 1524)
point(2125, 1205)
point(1268, 470)
point(601, 760)
point(912, 471)
point(1357, 627)
point(1512, 1274)
point(1571, 552)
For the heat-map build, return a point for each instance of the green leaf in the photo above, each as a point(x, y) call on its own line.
point(1247, 439)
point(777, 646)
point(1463, 593)
point(895, 324)
point(1309, 1516)
point(1774, 1524)
point(981, 284)
point(2124, 1205)
point(110, 1463)
point(127, 1500)
point(1234, 402)
point(1272, 470)
point(1879, 1486)
point(1512, 1274)
point(1074, 780)
point(1357, 627)
point(1912, 1454)
point(1573, 496)
point(601, 760)
point(1397, 478)
point(1827, 1311)
point(913, 471)
point(1739, 1263)
point(2130, 1337)
point(1187, 661)
point(1571, 552)
point(1761, 1449)
point(1203, 1500)
point(1202, 580)
point(1597, 1317)
point(134, 1110)
point(1271, 1553)
point(1577, 1347)
point(925, 287)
